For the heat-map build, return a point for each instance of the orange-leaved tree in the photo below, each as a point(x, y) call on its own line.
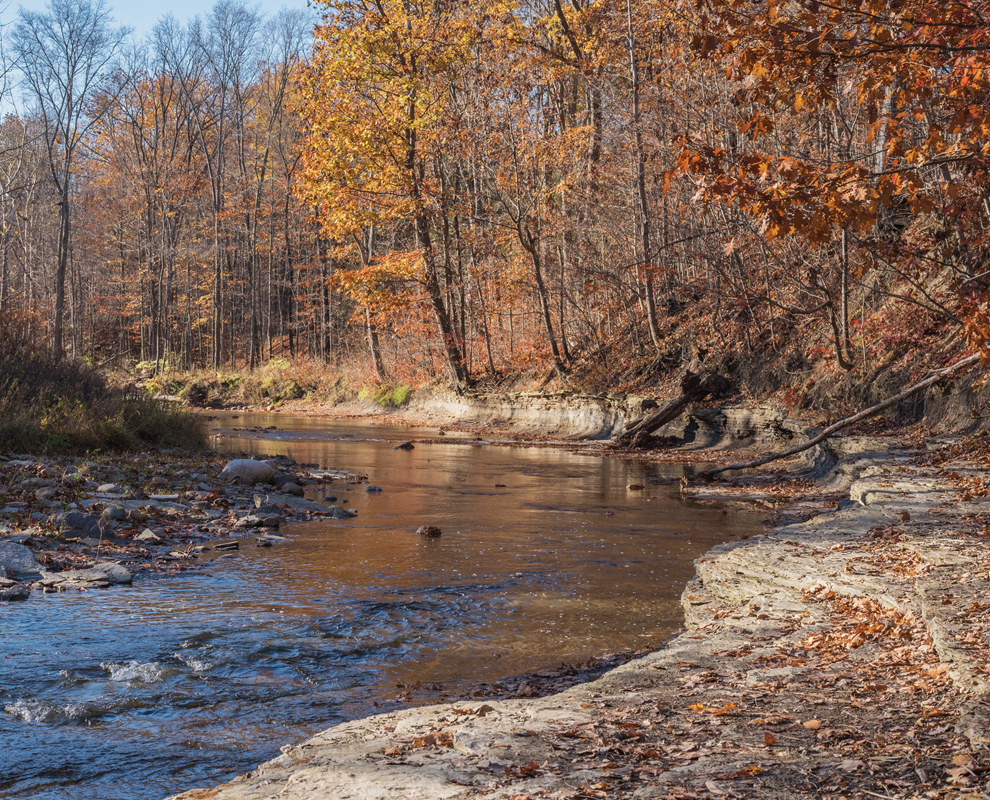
point(893, 96)
point(376, 95)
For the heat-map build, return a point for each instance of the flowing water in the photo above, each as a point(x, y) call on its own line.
point(546, 556)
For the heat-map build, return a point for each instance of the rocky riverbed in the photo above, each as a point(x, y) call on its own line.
point(841, 656)
point(80, 524)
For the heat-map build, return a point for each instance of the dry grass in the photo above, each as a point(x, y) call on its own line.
point(50, 404)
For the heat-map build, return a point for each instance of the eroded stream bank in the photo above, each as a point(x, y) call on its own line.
point(838, 657)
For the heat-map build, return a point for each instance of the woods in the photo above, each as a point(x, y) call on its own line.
point(607, 190)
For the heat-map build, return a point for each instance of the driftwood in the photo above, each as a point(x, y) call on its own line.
point(935, 377)
point(693, 388)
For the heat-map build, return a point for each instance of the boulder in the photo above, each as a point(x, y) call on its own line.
point(248, 471)
point(114, 572)
point(86, 524)
point(293, 489)
point(18, 560)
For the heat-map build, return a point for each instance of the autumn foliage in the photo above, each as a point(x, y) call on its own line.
point(600, 191)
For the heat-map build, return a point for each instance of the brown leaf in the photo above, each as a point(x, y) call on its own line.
point(813, 724)
point(768, 738)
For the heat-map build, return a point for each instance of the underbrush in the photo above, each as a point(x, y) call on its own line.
point(50, 404)
point(387, 395)
point(281, 381)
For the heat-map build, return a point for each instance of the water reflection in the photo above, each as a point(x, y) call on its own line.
point(141, 692)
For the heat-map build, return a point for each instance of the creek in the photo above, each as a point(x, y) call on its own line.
point(135, 693)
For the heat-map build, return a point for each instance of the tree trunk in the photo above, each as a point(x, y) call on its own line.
point(934, 378)
point(693, 388)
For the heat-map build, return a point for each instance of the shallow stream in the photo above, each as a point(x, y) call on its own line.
point(546, 556)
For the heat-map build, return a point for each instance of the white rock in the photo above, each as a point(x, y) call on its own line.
point(148, 536)
point(248, 472)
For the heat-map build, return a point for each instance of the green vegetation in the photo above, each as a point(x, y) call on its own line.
point(50, 404)
point(387, 395)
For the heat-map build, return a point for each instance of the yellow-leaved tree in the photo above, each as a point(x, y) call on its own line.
point(376, 101)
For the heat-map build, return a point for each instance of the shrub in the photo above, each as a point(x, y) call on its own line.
point(387, 396)
point(197, 392)
point(54, 404)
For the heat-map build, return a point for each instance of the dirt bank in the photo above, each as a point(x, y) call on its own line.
point(841, 656)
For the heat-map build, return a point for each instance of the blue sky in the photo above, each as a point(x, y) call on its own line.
point(142, 16)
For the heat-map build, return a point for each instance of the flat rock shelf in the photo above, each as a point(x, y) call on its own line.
point(845, 655)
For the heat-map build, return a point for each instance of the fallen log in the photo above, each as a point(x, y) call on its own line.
point(935, 377)
point(693, 388)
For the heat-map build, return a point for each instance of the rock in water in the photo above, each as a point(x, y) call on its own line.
point(248, 472)
point(114, 572)
point(18, 560)
point(12, 593)
point(293, 489)
point(429, 530)
point(372, 488)
point(404, 446)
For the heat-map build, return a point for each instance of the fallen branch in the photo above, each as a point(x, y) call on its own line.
point(935, 377)
point(693, 388)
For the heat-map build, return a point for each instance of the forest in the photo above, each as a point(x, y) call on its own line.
point(597, 191)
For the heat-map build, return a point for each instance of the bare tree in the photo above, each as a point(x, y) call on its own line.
point(64, 56)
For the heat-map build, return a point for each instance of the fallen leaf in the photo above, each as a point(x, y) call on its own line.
point(813, 724)
point(768, 738)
